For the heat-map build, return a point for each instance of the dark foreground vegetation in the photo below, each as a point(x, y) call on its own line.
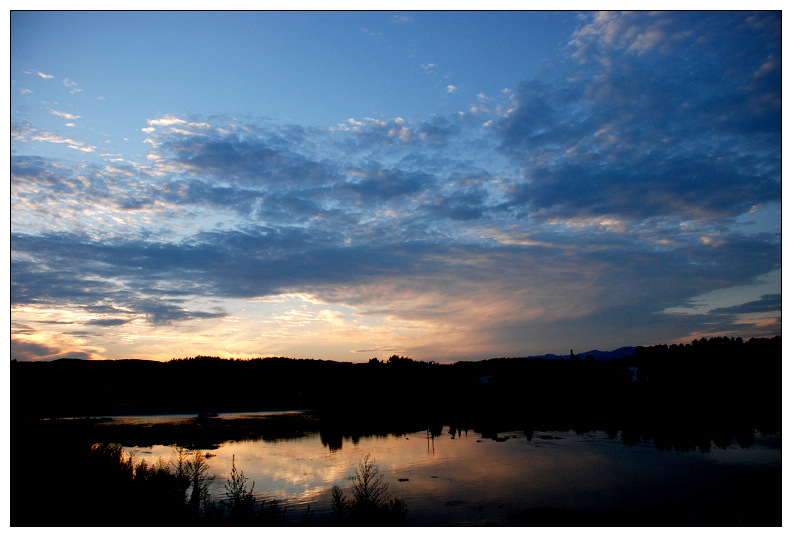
point(127, 491)
point(115, 488)
point(682, 397)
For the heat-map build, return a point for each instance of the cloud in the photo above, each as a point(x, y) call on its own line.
point(160, 312)
point(687, 187)
point(760, 318)
point(428, 67)
point(442, 284)
point(72, 85)
point(451, 88)
point(375, 349)
point(26, 349)
point(767, 303)
point(387, 184)
point(25, 132)
point(268, 178)
point(615, 137)
point(62, 114)
point(400, 19)
point(166, 121)
point(79, 271)
point(39, 73)
point(108, 322)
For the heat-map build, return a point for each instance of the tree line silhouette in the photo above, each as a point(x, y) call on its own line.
point(707, 380)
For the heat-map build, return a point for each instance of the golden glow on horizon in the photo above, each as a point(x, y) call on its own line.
point(427, 319)
point(299, 326)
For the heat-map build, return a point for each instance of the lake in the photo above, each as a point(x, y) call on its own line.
point(461, 478)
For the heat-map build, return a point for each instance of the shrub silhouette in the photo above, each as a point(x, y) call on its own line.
point(192, 475)
point(271, 514)
point(174, 492)
point(372, 503)
point(339, 504)
point(239, 501)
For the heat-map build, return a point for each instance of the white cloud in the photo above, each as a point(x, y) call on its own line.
point(63, 114)
point(39, 73)
point(33, 134)
point(451, 88)
point(165, 121)
point(72, 85)
point(400, 19)
point(186, 132)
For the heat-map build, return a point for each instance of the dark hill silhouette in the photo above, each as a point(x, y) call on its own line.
point(621, 352)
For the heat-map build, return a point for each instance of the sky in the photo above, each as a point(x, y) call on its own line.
point(347, 185)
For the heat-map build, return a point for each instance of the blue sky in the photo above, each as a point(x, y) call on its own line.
point(343, 185)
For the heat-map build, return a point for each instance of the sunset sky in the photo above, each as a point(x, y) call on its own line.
point(344, 185)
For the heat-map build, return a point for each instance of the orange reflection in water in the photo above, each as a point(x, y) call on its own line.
point(466, 479)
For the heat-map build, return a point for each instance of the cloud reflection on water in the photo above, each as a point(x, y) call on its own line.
point(472, 480)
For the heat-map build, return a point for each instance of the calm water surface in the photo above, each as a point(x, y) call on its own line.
point(464, 479)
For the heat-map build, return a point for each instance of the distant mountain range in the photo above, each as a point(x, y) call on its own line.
point(621, 352)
